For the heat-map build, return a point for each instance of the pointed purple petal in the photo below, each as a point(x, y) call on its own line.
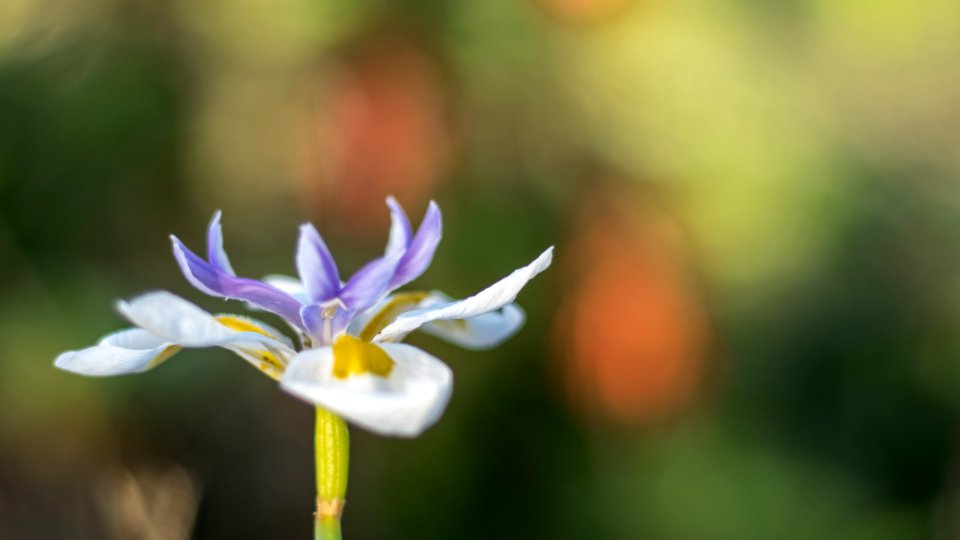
point(400, 230)
point(263, 296)
point(215, 252)
point(419, 253)
point(316, 266)
point(198, 272)
point(369, 284)
point(313, 321)
point(214, 282)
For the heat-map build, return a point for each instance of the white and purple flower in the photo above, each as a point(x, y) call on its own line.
point(348, 358)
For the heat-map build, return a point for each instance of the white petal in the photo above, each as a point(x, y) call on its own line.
point(405, 403)
point(492, 298)
point(269, 357)
point(174, 319)
point(262, 326)
point(127, 351)
point(169, 323)
point(133, 338)
point(271, 363)
point(481, 332)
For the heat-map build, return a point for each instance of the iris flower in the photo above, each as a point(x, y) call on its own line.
point(348, 358)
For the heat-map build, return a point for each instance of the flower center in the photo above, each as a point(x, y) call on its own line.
point(327, 314)
point(353, 356)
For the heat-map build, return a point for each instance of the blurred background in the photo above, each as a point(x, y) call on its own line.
point(751, 331)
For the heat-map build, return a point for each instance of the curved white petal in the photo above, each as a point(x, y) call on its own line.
point(128, 351)
point(405, 403)
point(481, 332)
point(176, 320)
point(269, 357)
point(133, 338)
point(242, 322)
point(270, 362)
point(490, 299)
point(168, 323)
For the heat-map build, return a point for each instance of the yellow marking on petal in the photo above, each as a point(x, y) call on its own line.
point(269, 369)
point(167, 353)
point(269, 363)
point(262, 360)
point(397, 305)
point(270, 359)
point(452, 325)
point(352, 356)
point(241, 325)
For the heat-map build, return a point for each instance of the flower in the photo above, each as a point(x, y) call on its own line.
point(349, 357)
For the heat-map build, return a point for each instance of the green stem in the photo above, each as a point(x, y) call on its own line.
point(332, 443)
point(326, 529)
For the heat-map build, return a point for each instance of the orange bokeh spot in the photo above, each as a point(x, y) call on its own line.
point(634, 330)
point(583, 11)
point(383, 129)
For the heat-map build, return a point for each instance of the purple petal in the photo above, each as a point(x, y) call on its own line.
point(369, 284)
point(400, 230)
point(215, 252)
point(312, 318)
point(215, 282)
point(419, 253)
point(316, 266)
